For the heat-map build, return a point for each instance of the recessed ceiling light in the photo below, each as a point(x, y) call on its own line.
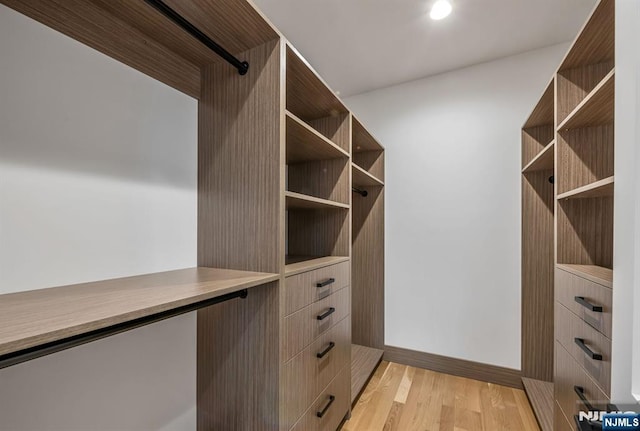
point(440, 9)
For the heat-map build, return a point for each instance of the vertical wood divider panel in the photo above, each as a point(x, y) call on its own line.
point(240, 207)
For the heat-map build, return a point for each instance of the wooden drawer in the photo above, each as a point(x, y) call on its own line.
point(305, 326)
point(302, 289)
point(568, 375)
point(560, 422)
point(306, 375)
point(568, 327)
point(339, 389)
point(568, 286)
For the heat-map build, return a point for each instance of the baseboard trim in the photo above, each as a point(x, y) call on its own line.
point(457, 367)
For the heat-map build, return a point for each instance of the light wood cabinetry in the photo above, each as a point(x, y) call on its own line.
point(277, 221)
point(567, 231)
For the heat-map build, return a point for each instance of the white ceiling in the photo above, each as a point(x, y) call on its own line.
point(361, 45)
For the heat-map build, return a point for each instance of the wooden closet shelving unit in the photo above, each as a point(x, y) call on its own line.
point(275, 236)
point(568, 232)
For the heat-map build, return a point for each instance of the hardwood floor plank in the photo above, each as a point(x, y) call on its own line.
point(405, 386)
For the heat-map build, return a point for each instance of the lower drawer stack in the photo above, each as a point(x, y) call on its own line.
point(317, 349)
point(582, 349)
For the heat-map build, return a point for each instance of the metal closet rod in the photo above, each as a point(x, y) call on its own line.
point(28, 354)
point(362, 193)
point(174, 16)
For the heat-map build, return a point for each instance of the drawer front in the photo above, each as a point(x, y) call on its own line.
point(568, 286)
point(306, 375)
point(568, 327)
point(333, 413)
point(570, 374)
point(560, 422)
point(305, 326)
point(302, 289)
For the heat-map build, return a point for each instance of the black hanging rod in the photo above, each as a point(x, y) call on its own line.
point(174, 16)
point(362, 193)
point(31, 353)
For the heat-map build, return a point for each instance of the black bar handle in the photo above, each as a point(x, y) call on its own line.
point(327, 313)
point(327, 282)
point(325, 408)
point(178, 19)
point(580, 391)
point(590, 353)
point(362, 193)
point(325, 351)
point(586, 304)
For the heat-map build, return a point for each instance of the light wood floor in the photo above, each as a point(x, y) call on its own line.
point(401, 398)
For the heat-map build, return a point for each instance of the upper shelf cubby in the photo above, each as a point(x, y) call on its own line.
point(368, 154)
point(538, 131)
point(311, 100)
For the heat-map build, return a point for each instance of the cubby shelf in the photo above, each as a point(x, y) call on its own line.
point(543, 112)
point(597, 274)
point(364, 361)
point(298, 264)
point(596, 109)
point(362, 139)
point(596, 189)
point(362, 178)
point(299, 201)
point(304, 143)
point(34, 318)
point(543, 161)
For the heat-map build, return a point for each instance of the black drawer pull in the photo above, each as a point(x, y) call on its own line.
point(327, 282)
point(587, 425)
point(327, 313)
point(586, 304)
point(580, 391)
point(587, 350)
point(325, 351)
point(324, 410)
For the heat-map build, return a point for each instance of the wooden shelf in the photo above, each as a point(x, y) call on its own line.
point(543, 161)
point(596, 109)
point(362, 178)
point(308, 96)
point(540, 394)
point(299, 201)
point(597, 274)
point(597, 189)
point(362, 139)
point(33, 318)
point(305, 144)
point(364, 361)
point(543, 112)
point(297, 264)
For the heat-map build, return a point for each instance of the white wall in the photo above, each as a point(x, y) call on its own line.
point(627, 207)
point(97, 180)
point(453, 204)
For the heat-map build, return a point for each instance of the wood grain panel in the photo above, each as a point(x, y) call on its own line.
point(338, 388)
point(299, 201)
point(362, 178)
point(363, 140)
point(543, 161)
point(300, 264)
point(319, 232)
point(596, 189)
point(584, 156)
point(364, 361)
point(596, 41)
point(337, 128)
point(304, 143)
point(88, 23)
point(540, 396)
point(568, 375)
point(568, 327)
point(238, 363)
point(585, 231)
point(454, 366)
point(371, 161)
point(303, 327)
point(36, 317)
point(368, 268)
point(597, 274)
point(308, 96)
point(574, 85)
point(560, 421)
point(306, 376)
point(596, 108)
point(301, 289)
point(326, 179)
point(537, 275)
point(239, 158)
point(543, 112)
point(535, 140)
